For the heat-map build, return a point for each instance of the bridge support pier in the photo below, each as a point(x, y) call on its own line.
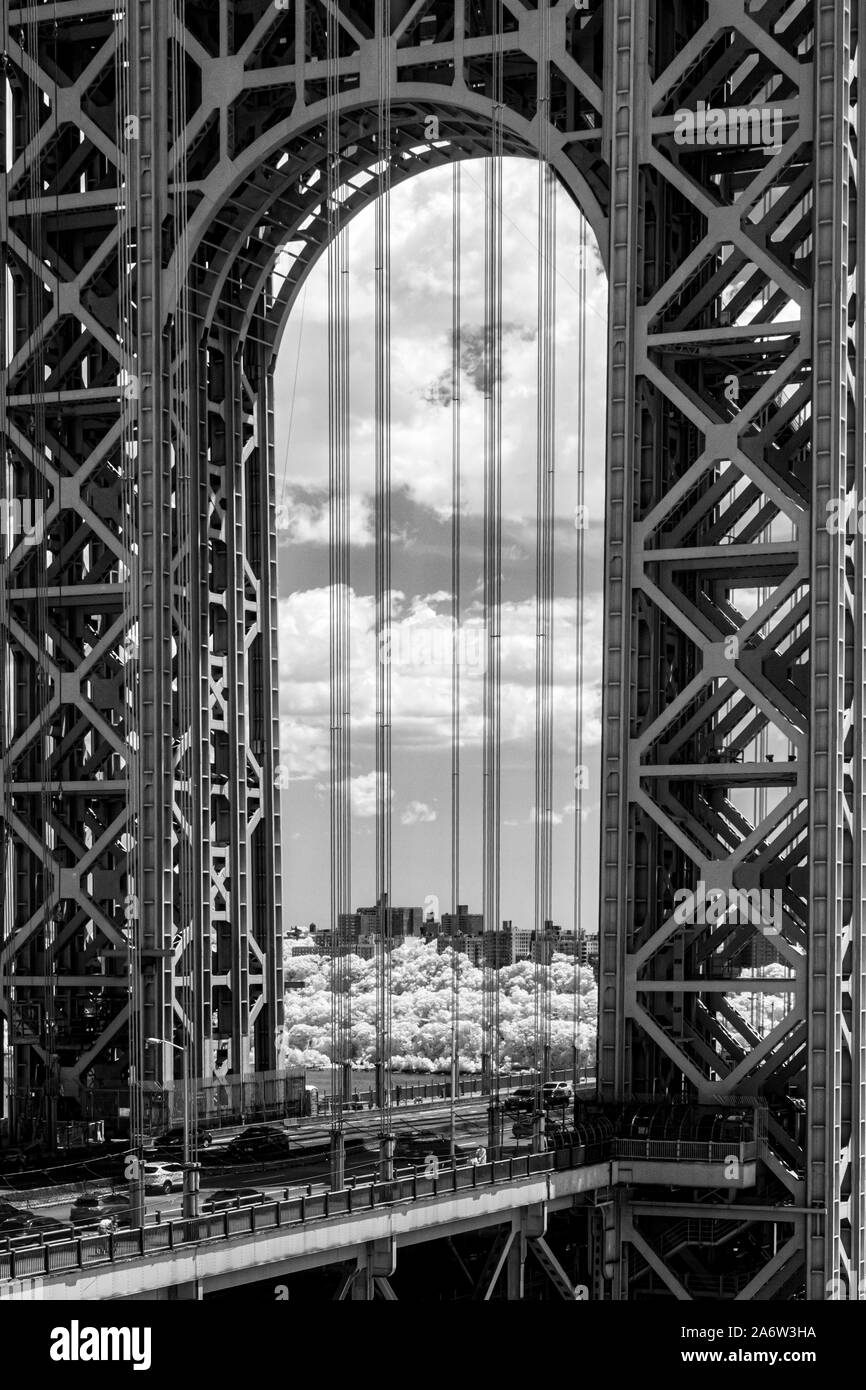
point(374, 1268)
point(607, 1253)
point(338, 1161)
point(191, 1188)
point(529, 1224)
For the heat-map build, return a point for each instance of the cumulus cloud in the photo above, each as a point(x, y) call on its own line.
point(363, 795)
point(419, 655)
point(417, 813)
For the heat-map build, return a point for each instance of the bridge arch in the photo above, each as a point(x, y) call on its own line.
point(275, 186)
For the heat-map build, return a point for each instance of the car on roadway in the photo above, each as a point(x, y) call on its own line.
point(523, 1098)
point(524, 1128)
point(261, 1131)
point(557, 1093)
point(163, 1177)
point(172, 1138)
point(106, 1209)
point(418, 1145)
point(259, 1144)
point(226, 1198)
point(21, 1221)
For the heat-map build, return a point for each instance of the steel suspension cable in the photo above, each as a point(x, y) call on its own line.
point(339, 614)
point(456, 336)
point(544, 577)
point(492, 585)
point(580, 532)
point(382, 364)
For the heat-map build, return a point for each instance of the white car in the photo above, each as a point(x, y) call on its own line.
point(163, 1177)
point(558, 1093)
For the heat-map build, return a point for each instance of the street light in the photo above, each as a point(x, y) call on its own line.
point(190, 1170)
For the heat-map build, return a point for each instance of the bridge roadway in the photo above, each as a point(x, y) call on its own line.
point(362, 1227)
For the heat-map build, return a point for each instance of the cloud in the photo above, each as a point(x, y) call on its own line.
point(418, 813)
point(363, 795)
point(475, 360)
point(421, 337)
point(420, 662)
point(303, 517)
point(554, 818)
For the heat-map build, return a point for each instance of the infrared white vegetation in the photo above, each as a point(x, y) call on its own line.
point(421, 1011)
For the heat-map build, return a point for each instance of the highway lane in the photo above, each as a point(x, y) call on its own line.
point(308, 1164)
point(305, 1169)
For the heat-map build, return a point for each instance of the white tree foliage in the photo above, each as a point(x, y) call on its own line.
point(421, 1011)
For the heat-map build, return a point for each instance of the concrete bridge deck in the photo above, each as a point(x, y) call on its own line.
point(275, 1238)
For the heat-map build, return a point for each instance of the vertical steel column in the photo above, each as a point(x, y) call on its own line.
point(148, 41)
point(240, 419)
point(833, 629)
point(625, 114)
point(264, 687)
point(857, 975)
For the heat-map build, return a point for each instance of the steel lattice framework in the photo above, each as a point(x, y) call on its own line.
point(146, 204)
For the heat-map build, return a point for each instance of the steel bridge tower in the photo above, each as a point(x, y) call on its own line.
point(160, 156)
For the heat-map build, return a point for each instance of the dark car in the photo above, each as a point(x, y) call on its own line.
point(525, 1126)
point(173, 1138)
point(258, 1144)
point(259, 1150)
point(261, 1132)
point(15, 1221)
point(417, 1146)
point(521, 1099)
point(227, 1197)
point(94, 1209)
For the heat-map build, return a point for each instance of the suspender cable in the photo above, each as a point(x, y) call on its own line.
point(383, 583)
point(339, 616)
point(580, 532)
point(455, 636)
point(544, 577)
point(491, 812)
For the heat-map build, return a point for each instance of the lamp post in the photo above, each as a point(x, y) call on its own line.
point(190, 1170)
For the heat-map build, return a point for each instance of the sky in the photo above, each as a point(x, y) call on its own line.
point(421, 219)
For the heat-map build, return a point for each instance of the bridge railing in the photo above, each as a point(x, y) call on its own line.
point(715, 1151)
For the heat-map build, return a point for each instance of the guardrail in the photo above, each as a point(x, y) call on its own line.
point(714, 1151)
